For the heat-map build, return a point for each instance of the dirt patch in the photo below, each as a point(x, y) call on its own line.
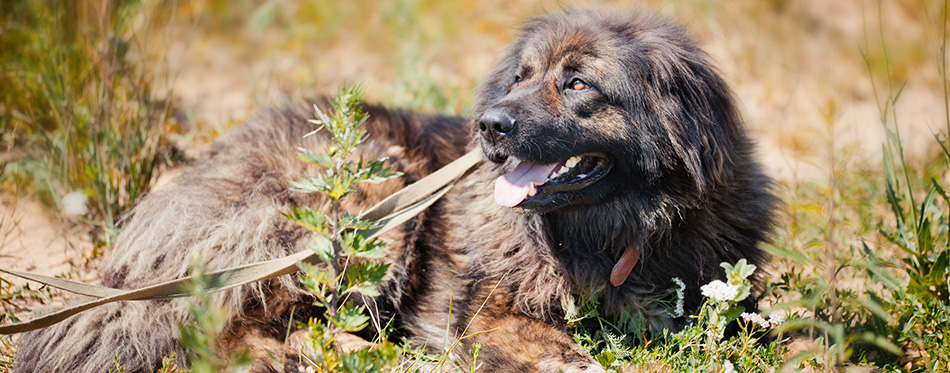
point(31, 240)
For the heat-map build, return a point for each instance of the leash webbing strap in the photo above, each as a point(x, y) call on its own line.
point(388, 213)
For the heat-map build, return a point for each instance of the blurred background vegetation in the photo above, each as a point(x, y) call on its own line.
point(101, 101)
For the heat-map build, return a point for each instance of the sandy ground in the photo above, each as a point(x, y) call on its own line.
point(34, 241)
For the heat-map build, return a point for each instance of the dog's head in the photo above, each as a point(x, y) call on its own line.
point(587, 107)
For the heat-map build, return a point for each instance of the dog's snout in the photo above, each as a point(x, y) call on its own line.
point(496, 123)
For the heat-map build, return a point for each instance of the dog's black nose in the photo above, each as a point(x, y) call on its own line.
point(496, 123)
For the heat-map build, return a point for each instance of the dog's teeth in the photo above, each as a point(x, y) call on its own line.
point(573, 161)
point(581, 176)
point(532, 191)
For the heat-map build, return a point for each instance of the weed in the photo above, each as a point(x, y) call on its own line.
point(341, 241)
point(119, 368)
point(201, 336)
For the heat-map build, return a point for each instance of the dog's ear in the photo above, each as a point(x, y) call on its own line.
point(700, 117)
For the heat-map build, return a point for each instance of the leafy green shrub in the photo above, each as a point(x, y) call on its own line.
point(341, 241)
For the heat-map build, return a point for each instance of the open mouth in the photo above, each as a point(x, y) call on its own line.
point(545, 186)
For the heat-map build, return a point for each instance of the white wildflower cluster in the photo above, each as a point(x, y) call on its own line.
point(307, 369)
point(720, 291)
point(756, 318)
point(680, 297)
point(777, 318)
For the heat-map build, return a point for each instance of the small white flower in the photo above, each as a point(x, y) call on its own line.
point(308, 369)
point(756, 318)
point(74, 203)
point(727, 367)
point(720, 291)
point(680, 286)
point(777, 318)
point(680, 289)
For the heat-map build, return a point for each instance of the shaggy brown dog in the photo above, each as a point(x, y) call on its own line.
point(614, 161)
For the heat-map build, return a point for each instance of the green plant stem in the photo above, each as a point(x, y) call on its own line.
point(891, 106)
point(335, 263)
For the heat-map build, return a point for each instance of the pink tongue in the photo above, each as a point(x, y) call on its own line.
point(513, 188)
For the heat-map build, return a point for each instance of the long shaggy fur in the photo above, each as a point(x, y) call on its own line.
point(683, 188)
point(227, 211)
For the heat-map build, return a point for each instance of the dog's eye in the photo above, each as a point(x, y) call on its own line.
point(577, 85)
point(518, 80)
